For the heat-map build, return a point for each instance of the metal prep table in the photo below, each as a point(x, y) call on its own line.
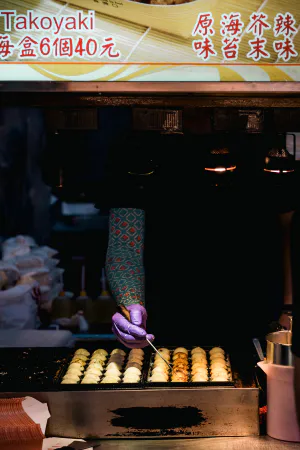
point(246, 443)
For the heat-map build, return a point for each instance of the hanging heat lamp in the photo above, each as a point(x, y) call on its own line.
point(279, 161)
point(219, 167)
point(279, 174)
point(220, 161)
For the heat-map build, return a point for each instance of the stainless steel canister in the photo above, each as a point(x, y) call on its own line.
point(279, 348)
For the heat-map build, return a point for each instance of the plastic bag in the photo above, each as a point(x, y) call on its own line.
point(57, 275)
point(78, 320)
point(20, 240)
point(51, 263)
point(11, 251)
point(48, 294)
point(42, 276)
point(17, 246)
point(46, 251)
point(29, 261)
point(11, 272)
point(18, 309)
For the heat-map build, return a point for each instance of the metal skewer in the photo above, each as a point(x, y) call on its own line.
point(126, 314)
point(154, 348)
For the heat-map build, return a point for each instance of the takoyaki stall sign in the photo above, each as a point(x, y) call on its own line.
point(150, 40)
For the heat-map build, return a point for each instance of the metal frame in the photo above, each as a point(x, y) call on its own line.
point(211, 88)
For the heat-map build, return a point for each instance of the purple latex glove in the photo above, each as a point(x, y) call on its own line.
point(132, 334)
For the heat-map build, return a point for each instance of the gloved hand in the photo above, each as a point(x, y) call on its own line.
point(132, 334)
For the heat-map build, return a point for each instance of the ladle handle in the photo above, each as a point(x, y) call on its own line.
point(258, 349)
point(291, 323)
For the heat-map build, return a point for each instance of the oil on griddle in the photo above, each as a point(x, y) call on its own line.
point(30, 368)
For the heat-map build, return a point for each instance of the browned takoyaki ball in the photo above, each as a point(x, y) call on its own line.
point(179, 355)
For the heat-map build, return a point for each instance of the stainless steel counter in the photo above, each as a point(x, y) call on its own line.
point(246, 443)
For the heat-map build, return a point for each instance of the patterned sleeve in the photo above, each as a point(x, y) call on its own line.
point(124, 259)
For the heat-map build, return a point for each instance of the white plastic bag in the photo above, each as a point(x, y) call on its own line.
point(29, 261)
point(51, 263)
point(17, 246)
point(42, 275)
point(11, 272)
point(11, 251)
point(48, 294)
point(18, 309)
point(20, 240)
point(46, 251)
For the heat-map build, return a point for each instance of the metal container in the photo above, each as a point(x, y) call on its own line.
point(279, 348)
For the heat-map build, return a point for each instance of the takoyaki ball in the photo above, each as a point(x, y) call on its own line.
point(158, 377)
point(93, 371)
point(82, 351)
point(95, 376)
point(117, 356)
point(87, 380)
point(220, 378)
point(115, 365)
point(219, 372)
point(200, 371)
point(119, 351)
point(113, 371)
point(180, 350)
point(74, 371)
point(72, 375)
point(131, 379)
point(135, 361)
point(77, 365)
point(133, 370)
point(180, 366)
point(181, 361)
point(179, 378)
point(199, 356)
point(199, 364)
point(69, 381)
point(159, 370)
point(164, 350)
point(160, 364)
point(97, 364)
point(137, 351)
point(218, 365)
point(81, 357)
point(133, 364)
point(116, 360)
point(136, 358)
point(217, 358)
point(199, 377)
point(99, 357)
point(110, 379)
point(79, 361)
point(100, 352)
point(98, 360)
point(180, 355)
point(216, 350)
point(179, 372)
point(198, 350)
point(165, 356)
